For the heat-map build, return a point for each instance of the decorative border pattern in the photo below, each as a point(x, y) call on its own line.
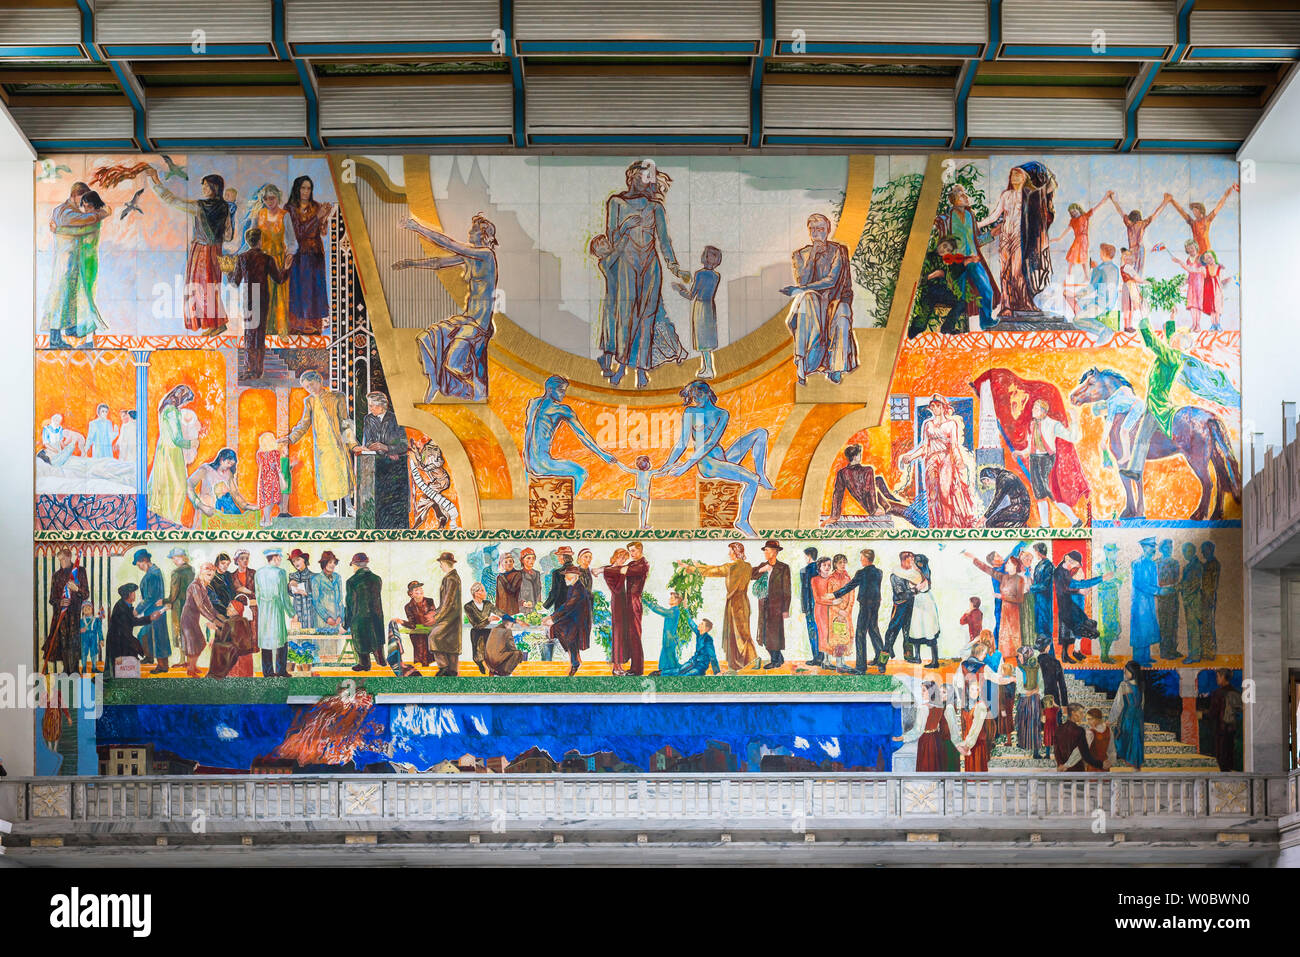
point(592, 534)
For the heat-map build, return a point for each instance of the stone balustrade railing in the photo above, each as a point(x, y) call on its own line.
point(105, 809)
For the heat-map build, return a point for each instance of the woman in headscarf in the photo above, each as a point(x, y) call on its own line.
point(198, 607)
point(167, 478)
point(309, 297)
point(212, 226)
point(209, 485)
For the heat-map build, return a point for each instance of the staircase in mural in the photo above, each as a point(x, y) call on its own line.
point(1163, 750)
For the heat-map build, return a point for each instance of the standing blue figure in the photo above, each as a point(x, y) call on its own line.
point(545, 415)
point(1144, 626)
point(153, 597)
point(806, 575)
point(672, 616)
point(703, 426)
point(1126, 718)
point(1041, 588)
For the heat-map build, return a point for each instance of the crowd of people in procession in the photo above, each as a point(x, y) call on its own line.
point(1009, 679)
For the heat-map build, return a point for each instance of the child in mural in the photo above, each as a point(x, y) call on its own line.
point(1195, 280)
point(257, 276)
point(640, 490)
point(944, 288)
point(1076, 258)
point(1212, 288)
point(1199, 221)
point(212, 226)
point(1051, 719)
point(1131, 298)
point(269, 477)
point(309, 297)
point(70, 310)
point(702, 294)
point(92, 637)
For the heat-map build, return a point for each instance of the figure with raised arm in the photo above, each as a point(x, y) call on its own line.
point(454, 350)
point(703, 426)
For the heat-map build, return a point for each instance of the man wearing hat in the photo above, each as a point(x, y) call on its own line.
point(556, 593)
point(363, 611)
point(501, 655)
point(1144, 626)
point(445, 638)
point(774, 605)
point(275, 610)
point(571, 622)
point(1073, 621)
point(300, 587)
point(243, 581)
point(69, 590)
point(153, 597)
point(178, 584)
point(122, 622)
point(420, 615)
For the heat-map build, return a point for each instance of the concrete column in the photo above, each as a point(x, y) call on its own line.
point(1265, 691)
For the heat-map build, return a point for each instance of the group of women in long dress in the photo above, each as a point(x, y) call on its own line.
point(301, 308)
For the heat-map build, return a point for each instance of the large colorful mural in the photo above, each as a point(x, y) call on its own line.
point(521, 463)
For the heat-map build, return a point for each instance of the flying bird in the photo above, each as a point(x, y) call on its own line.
point(132, 205)
point(173, 169)
point(50, 170)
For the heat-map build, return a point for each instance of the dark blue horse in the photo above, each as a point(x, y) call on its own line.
point(1197, 435)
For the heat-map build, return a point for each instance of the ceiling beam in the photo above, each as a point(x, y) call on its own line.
point(306, 75)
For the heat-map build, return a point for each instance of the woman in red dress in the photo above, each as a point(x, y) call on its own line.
point(975, 729)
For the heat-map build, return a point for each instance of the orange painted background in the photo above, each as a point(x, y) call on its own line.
point(73, 383)
point(1172, 490)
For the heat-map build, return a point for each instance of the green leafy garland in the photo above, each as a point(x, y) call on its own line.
point(687, 581)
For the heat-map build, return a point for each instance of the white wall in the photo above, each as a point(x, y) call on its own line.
point(17, 279)
point(1270, 278)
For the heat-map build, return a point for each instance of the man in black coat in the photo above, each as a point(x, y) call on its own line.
point(806, 575)
point(121, 641)
point(903, 588)
point(867, 581)
point(774, 606)
point(1054, 680)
